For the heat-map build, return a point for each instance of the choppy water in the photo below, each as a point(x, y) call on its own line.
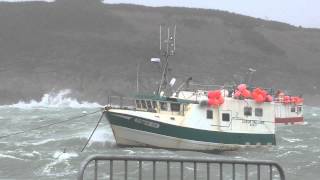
point(39, 154)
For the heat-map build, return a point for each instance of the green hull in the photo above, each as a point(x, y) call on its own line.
point(150, 126)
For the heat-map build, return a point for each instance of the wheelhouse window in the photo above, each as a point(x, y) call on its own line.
point(293, 109)
point(247, 111)
point(138, 104)
point(154, 104)
point(258, 112)
point(175, 107)
point(225, 117)
point(149, 104)
point(164, 106)
point(299, 109)
point(209, 114)
point(143, 103)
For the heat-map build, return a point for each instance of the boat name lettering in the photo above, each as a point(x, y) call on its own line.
point(146, 123)
point(252, 122)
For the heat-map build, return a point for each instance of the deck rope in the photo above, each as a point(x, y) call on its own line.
point(93, 132)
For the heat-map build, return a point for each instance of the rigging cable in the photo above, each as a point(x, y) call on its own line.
point(51, 124)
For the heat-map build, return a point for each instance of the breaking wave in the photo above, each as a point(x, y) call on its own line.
point(55, 100)
point(291, 140)
point(10, 157)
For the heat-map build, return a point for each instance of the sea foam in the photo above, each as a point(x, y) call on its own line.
point(59, 99)
point(292, 140)
point(9, 156)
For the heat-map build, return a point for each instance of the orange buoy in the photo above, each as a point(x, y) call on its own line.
point(259, 98)
point(215, 98)
point(214, 94)
point(246, 93)
point(286, 99)
point(259, 95)
point(237, 94)
point(242, 87)
point(269, 98)
point(242, 91)
point(221, 100)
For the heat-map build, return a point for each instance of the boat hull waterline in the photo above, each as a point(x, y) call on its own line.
point(136, 131)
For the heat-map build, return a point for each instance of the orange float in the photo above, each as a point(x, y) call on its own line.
point(215, 98)
point(242, 91)
point(260, 95)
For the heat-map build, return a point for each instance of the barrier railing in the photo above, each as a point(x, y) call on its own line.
point(147, 167)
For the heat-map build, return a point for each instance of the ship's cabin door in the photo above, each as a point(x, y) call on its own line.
point(225, 119)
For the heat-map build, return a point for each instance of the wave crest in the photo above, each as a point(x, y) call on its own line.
point(55, 100)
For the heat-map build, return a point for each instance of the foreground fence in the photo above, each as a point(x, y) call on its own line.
point(172, 168)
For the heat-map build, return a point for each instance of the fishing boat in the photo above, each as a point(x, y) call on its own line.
point(288, 109)
point(202, 119)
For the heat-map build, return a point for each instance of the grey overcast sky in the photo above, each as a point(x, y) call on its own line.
point(296, 12)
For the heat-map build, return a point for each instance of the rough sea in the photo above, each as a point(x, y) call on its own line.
point(54, 152)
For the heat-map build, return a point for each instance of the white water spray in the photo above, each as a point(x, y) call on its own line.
point(55, 100)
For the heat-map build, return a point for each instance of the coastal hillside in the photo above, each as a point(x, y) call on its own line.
point(94, 48)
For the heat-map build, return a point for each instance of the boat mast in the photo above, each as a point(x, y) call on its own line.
point(248, 79)
point(138, 69)
point(169, 42)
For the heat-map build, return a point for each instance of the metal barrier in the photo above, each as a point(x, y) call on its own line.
point(147, 167)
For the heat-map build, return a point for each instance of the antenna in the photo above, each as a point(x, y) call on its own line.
point(249, 75)
point(160, 38)
point(169, 42)
point(138, 69)
point(174, 38)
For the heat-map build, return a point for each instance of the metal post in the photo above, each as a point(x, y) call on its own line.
point(140, 170)
point(194, 170)
point(281, 172)
point(95, 169)
point(233, 172)
point(111, 169)
point(125, 169)
point(270, 172)
point(221, 170)
point(208, 171)
point(258, 172)
point(181, 171)
point(168, 170)
point(154, 170)
point(246, 171)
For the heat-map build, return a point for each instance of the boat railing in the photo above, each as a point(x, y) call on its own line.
point(231, 88)
point(151, 167)
point(207, 87)
point(121, 102)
